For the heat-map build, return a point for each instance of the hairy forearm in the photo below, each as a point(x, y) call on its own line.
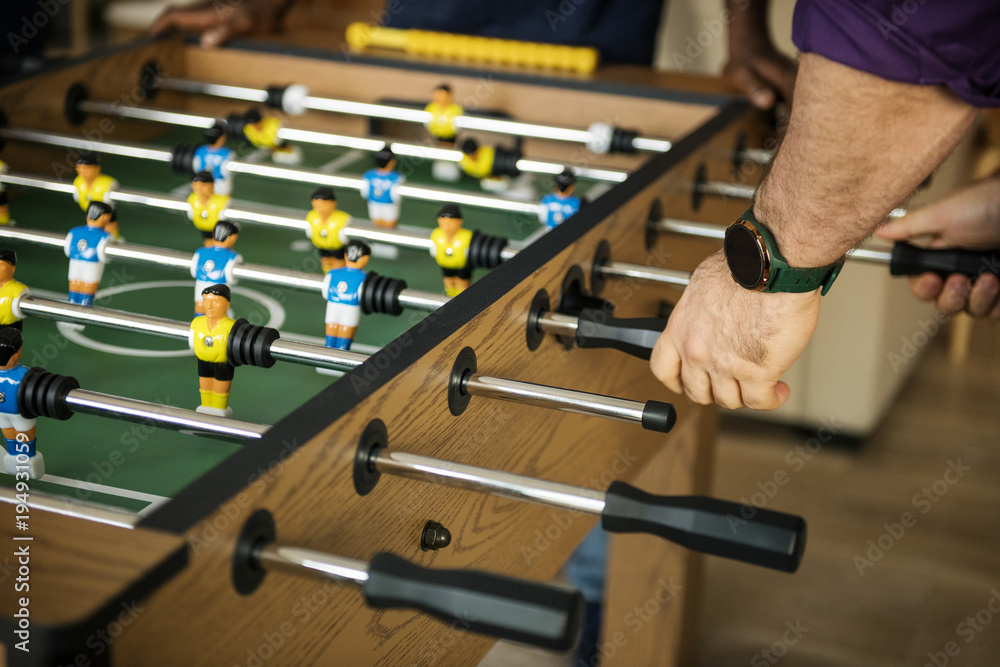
point(856, 146)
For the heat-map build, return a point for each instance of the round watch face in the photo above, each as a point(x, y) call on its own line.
point(744, 256)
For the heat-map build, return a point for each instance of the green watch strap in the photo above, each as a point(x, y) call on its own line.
point(784, 278)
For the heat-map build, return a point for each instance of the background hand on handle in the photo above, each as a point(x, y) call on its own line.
point(219, 20)
point(970, 219)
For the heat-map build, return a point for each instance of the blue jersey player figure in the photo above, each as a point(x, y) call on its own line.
point(380, 188)
point(21, 458)
point(213, 157)
point(342, 289)
point(214, 264)
point(558, 206)
point(85, 248)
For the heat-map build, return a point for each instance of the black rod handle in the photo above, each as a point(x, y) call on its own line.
point(634, 336)
point(717, 527)
point(537, 614)
point(910, 260)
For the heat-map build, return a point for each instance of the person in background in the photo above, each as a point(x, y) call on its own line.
point(968, 218)
point(624, 31)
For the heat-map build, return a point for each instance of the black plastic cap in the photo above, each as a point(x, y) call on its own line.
point(465, 366)
point(700, 178)
point(485, 250)
point(250, 345)
point(43, 394)
point(621, 140)
point(366, 474)
point(75, 94)
point(235, 123)
point(659, 416)
point(257, 532)
point(499, 606)
point(182, 159)
point(505, 162)
point(149, 79)
point(275, 96)
point(380, 294)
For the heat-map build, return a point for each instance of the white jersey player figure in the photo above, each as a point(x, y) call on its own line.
point(380, 188)
point(214, 264)
point(213, 157)
point(342, 289)
point(560, 205)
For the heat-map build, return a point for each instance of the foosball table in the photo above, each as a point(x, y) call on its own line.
point(450, 462)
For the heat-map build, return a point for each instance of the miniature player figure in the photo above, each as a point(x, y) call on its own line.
point(262, 132)
point(213, 157)
point(561, 204)
point(213, 265)
point(380, 188)
point(451, 249)
point(18, 431)
point(342, 289)
point(206, 205)
point(11, 291)
point(477, 161)
point(325, 225)
point(441, 126)
point(210, 340)
point(4, 208)
point(91, 185)
point(85, 248)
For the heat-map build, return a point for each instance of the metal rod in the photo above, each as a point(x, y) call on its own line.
point(558, 324)
point(495, 482)
point(307, 354)
point(409, 115)
point(174, 259)
point(163, 416)
point(555, 398)
point(647, 273)
point(744, 191)
point(328, 139)
point(88, 511)
point(299, 561)
point(70, 141)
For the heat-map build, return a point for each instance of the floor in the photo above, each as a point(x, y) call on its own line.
point(902, 565)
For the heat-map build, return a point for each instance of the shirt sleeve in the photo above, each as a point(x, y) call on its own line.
point(923, 43)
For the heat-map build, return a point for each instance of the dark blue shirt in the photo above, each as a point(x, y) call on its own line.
point(624, 31)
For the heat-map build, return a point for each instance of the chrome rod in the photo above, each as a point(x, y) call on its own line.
point(558, 324)
point(70, 141)
point(871, 255)
point(495, 482)
point(725, 189)
point(299, 561)
point(369, 144)
point(646, 273)
point(163, 416)
point(307, 354)
point(141, 113)
point(705, 230)
point(555, 398)
point(103, 317)
point(174, 259)
point(756, 155)
point(410, 115)
point(87, 511)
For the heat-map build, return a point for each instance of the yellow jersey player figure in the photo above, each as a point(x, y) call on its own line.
point(21, 456)
point(451, 249)
point(441, 125)
point(325, 225)
point(262, 132)
point(4, 208)
point(11, 292)
point(210, 340)
point(206, 205)
point(91, 185)
point(477, 162)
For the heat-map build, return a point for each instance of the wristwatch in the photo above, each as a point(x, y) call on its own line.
point(756, 263)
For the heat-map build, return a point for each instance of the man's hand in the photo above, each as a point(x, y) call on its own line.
point(728, 345)
point(219, 20)
point(757, 68)
point(970, 219)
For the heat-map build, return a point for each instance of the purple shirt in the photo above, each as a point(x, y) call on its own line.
point(926, 42)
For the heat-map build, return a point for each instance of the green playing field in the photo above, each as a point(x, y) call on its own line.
point(136, 464)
